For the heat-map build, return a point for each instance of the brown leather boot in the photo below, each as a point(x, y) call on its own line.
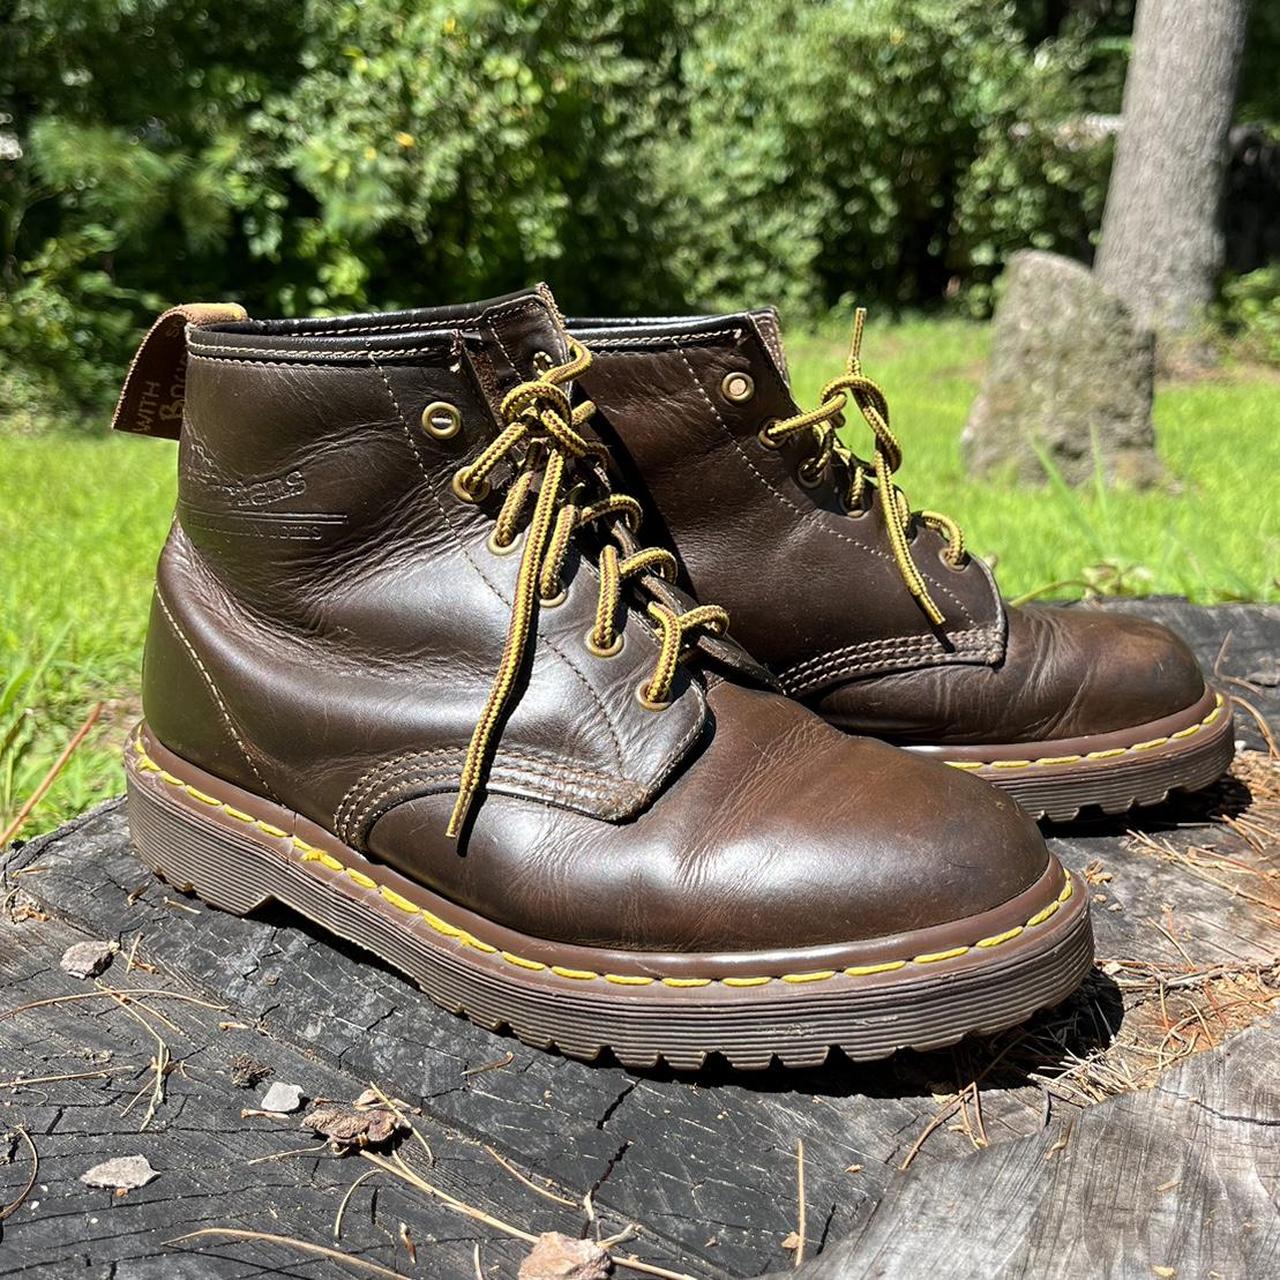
point(875, 617)
point(411, 673)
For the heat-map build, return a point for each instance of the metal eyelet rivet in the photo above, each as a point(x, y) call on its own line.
point(504, 548)
point(464, 494)
point(765, 438)
point(642, 697)
point(809, 477)
point(442, 419)
point(555, 601)
point(738, 387)
point(611, 652)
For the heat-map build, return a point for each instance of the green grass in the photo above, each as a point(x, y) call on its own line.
point(81, 523)
point(82, 519)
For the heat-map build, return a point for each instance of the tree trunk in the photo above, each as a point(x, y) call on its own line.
point(1161, 242)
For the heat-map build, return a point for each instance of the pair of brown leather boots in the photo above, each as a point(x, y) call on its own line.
point(414, 671)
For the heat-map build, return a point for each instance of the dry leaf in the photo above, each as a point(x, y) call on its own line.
point(791, 1242)
point(124, 1173)
point(561, 1257)
point(345, 1127)
point(246, 1072)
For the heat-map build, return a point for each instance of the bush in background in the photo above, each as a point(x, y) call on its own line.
point(642, 154)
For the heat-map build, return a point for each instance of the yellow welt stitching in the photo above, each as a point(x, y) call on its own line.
point(401, 904)
point(819, 975)
point(311, 853)
point(1041, 916)
point(441, 926)
point(1110, 754)
point(997, 938)
point(864, 970)
point(933, 957)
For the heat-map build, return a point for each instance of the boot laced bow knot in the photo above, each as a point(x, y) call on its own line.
point(543, 439)
point(824, 421)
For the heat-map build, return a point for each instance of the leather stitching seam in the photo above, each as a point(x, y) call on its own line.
point(213, 692)
point(1111, 753)
point(314, 855)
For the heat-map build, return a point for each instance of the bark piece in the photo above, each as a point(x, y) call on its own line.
point(282, 1097)
point(561, 1257)
point(87, 959)
point(124, 1173)
point(1068, 367)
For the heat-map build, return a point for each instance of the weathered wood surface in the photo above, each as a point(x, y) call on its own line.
point(705, 1166)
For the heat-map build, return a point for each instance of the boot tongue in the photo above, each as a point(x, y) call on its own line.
point(524, 326)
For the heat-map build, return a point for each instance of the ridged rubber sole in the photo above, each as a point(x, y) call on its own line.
point(204, 839)
point(1059, 782)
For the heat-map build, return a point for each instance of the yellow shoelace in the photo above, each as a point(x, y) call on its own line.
point(824, 421)
point(540, 417)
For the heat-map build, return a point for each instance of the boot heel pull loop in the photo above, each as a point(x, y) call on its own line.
point(155, 387)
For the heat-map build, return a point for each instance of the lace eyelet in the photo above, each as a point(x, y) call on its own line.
point(950, 565)
point(463, 494)
point(737, 387)
point(611, 652)
point(642, 697)
point(442, 420)
point(555, 601)
point(766, 440)
point(504, 548)
point(809, 477)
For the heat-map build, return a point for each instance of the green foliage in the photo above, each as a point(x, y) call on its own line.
point(879, 148)
point(1251, 312)
point(641, 154)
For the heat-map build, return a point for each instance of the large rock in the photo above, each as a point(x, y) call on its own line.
point(1068, 368)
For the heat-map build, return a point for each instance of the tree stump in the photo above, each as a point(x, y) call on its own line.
point(1070, 382)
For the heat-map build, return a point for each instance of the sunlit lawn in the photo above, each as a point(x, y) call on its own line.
point(81, 521)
